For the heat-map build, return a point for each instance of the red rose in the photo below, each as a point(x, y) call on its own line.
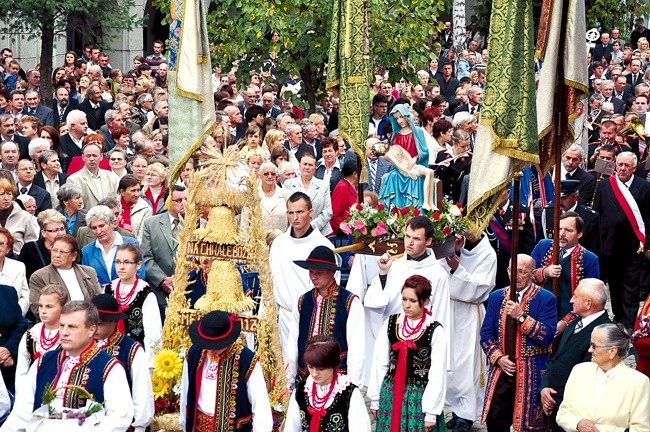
point(380, 207)
point(395, 211)
point(405, 211)
point(459, 205)
point(359, 206)
point(436, 216)
point(416, 212)
point(446, 231)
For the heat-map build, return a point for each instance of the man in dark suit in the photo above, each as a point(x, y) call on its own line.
point(474, 101)
point(604, 47)
point(569, 202)
point(623, 202)
point(588, 302)
point(622, 90)
point(607, 90)
point(25, 174)
point(635, 77)
point(572, 158)
point(159, 243)
point(61, 105)
point(499, 233)
point(94, 107)
point(448, 84)
point(295, 144)
point(77, 127)
point(377, 166)
point(34, 108)
point(49, 178)
point(8, 133)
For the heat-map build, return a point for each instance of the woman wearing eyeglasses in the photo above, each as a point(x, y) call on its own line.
point(65, 270)
point(273, 199)
point(156, 191)
point(135, 298)
point(117, 159)
point(605, 394)
point(71, 206)
point(36, 254)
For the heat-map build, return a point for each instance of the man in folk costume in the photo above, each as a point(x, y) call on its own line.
point(223, 388)
point(472, 274)
point(623, 202)
point(576, 263)
point(326, 310)
point(131, 356)
point(289, 280)
point(500, 232)
point(79, 362)
point(512, 395)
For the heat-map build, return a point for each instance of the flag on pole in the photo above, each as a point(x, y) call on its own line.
point(348, 70)
point(191, 102)
point(506, 139)
point(575, 77)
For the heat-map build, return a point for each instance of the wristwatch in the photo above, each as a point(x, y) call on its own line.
point(522, 318)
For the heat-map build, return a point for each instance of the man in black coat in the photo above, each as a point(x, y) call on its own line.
point(94, 107)
point(623, 202)
point(572, 158)
point(588, 302)
point(25, 174)
point(569, 202)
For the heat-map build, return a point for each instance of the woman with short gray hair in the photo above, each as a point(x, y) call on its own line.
point(605, 394)
point(71, 206)
point(101, 252)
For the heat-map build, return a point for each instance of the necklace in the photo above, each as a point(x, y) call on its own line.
point(410, 331)
point(319, 402)
point(48, 342)
point(125, 299)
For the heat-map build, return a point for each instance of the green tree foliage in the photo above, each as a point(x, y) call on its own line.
point(601, 14)
point(241, 31)
point(46, 18)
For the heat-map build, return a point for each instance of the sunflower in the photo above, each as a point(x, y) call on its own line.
point(168, 364)
point(160, 386)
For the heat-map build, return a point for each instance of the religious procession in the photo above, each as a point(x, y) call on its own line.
point(186, 245)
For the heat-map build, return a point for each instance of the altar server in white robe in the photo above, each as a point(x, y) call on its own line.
point(289, 280)
point(384, 296)
point(472, 277)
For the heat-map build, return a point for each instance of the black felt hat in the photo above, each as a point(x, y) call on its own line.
point(216, 330)
point(321, 257)
point(108, 308)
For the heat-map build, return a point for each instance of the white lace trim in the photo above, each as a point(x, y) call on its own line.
point(342, 383)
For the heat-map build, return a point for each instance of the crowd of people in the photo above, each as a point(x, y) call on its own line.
point(87, 254)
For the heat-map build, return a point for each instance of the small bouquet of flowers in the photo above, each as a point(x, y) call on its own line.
point(52, 416)
point(166, 380)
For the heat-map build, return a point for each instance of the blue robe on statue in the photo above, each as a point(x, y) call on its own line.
point(397, 189)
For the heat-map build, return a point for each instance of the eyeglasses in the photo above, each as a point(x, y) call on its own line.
point(27, 169)
point(55, 230)
point(268, 174)
point(118, 262)
point(59, 252)
point(594, 346)
point(116, 159)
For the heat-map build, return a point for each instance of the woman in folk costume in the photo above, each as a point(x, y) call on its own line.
point(223, 387)
point(44, 336)
point(409, 373)
point(326, 401)
point(136, 299)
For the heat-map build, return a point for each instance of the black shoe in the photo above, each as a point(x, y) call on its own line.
point(463, 426)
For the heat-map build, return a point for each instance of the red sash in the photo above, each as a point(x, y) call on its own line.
point(627, 210)
point(501, 234)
